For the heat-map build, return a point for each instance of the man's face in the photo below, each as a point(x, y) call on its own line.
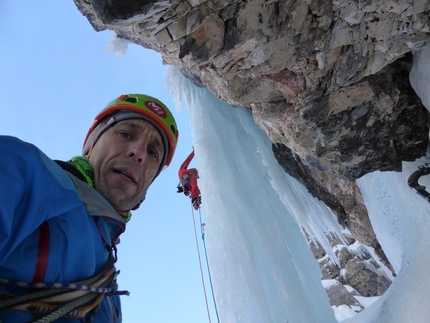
point(125, 160)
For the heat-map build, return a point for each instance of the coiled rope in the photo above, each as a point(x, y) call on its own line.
point(207, 264)
point(71, 295)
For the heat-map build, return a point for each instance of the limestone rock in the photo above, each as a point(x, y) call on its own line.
point(357, 273)
point(339, 295)
point(316, 74)
point(327, 80)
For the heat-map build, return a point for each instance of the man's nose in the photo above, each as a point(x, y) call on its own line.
point(138, 152)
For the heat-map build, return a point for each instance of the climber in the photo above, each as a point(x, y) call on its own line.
point(188, 182)
point(61, 220)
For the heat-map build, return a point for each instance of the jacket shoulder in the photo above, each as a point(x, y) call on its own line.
point(29, 161)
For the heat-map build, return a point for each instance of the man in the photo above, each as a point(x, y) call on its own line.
point(188, 181)
point(60, 221)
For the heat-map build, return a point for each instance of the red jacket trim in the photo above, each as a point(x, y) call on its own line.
point(42, 253)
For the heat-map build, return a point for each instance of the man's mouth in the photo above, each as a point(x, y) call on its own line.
point(125, 175)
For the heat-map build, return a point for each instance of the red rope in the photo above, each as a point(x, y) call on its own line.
point(200, 263)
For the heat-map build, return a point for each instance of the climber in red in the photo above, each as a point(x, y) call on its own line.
point(188, 182)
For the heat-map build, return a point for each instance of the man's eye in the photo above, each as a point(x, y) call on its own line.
point(125, 134)
point(153, 153)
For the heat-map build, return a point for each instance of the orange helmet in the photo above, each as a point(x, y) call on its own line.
point(137, 106)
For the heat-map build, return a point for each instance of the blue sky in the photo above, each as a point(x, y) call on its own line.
point(55, 75)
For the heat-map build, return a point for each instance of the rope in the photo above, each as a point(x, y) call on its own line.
point(200, 263)
point(61, 287)
point(66, 308)
point(55, 289)
point(72, 295)
point(207, 263)
point(72, 305)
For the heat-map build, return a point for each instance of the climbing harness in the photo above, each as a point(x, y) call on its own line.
point(52, 301)
point(196, 202)
point(180, 186)
point(207, 264)
point(413, 181)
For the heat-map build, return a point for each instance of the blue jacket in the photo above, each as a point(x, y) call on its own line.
point(53, 227)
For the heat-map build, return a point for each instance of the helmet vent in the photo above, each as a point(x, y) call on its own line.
point(173, 128)
point(131, 100)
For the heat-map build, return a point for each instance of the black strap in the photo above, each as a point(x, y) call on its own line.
point(413, 181)
point(71, 169)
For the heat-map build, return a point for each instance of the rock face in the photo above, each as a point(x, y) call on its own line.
point(359, 274)
point(312, 71)
point(326, 80)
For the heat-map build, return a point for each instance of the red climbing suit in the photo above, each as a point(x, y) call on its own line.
point(188, 178)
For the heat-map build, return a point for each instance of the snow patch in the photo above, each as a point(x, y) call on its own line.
point(117, 46)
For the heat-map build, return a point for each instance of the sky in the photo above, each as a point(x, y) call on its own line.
point(55, 76)
point(262, 268)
